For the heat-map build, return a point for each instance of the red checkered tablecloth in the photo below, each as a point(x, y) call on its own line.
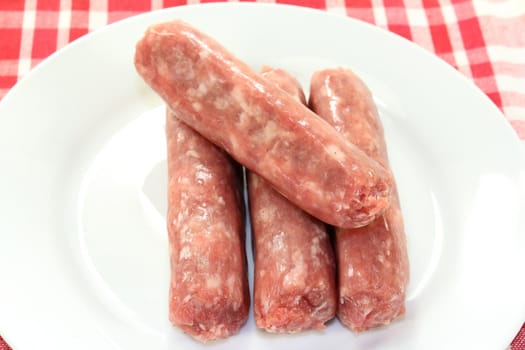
point(483, 39)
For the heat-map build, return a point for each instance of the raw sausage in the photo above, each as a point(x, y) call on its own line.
point(209, 297)
point(294, 274)
point(261, 126)
point(372, 260)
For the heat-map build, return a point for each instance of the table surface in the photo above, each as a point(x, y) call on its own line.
point(482, 39)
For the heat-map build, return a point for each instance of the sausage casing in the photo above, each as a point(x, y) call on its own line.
point(372, 261)
point(261, 126)
point(209, 297)
point(294, 277)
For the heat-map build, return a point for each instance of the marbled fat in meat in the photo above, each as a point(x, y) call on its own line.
point(294, 273)
point(372, 261)
point(209, 297)
point(261, 126)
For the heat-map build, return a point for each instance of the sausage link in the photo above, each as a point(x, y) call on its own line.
point(294, 277)
point(372, 261)
point(261, 126)
point(209, 297)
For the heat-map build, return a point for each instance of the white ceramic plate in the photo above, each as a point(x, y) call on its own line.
point(83, 248)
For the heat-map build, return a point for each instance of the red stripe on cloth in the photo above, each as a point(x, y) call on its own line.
point(360, 9)
point(44, 42)
point(488, 85)
point(317, 4)
point(478, 55)
point(170, 3)
point(79, 24)
point(450, 59)
point(12, 5)
point(48, 5)
point(75, 33)
point(480, 70)
point(442, 44)
point(403, 30)
point(10, 49)
point(495, 96)
point(80, 5)
point(129, 5)
point(365, 15)
point(7, 81)
point(471, 33)
point(438, 29)
point(397, 18)
point(118, 15)
point(472, 36)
